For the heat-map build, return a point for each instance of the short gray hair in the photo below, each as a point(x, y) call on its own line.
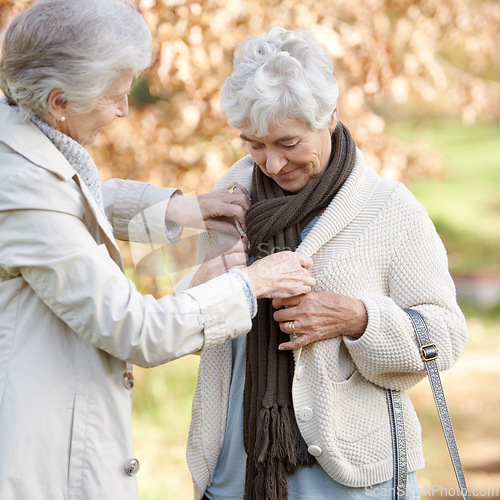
point(277, 77)
point(79, 46)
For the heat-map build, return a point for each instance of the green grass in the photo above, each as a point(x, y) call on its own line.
point(465, 203)
point(161, 417)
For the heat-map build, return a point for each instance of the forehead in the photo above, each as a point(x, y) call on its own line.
point(121, 84)
point(277, 133)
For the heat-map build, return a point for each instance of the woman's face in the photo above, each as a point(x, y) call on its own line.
point(292, 155)
point(84, 128)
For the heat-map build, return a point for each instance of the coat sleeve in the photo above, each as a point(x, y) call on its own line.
point(388, 354)
point(51, 248)
point(136, 211)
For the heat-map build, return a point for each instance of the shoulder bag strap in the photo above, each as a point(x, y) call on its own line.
point(400, 476)
point(429, 353)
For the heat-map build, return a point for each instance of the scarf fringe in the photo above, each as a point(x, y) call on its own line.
point(279, 449)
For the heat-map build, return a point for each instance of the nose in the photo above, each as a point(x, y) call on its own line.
point(275, 161)
point(122, 109)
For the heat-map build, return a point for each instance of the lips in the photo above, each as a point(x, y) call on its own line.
point(284, 175)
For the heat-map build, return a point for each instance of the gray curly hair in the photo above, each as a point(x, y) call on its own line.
point(278, 77)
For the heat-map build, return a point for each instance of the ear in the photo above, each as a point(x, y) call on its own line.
point(334, 119)
point(57, 104)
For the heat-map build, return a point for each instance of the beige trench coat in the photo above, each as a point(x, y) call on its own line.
point(71, 323)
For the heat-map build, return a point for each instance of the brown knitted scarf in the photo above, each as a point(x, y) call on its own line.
point(274, 445)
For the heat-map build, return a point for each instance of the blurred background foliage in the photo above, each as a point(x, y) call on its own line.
point(393, 59)
point(419, 90)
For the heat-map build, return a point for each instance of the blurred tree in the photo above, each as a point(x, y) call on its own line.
point(393, 58)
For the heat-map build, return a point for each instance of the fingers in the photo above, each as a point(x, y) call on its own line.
point(280, 275)
point(292, 327)
point(223, 203)
point(228, 208)
point(286, 314)
point(307, 283)
point(304, 260)
point(237, 209)
point(298, 339)
point(240, 204)
point(225, 226)
point(296, 343)
point(296, 257)
point(235, 187)
point(287, 302)
point(201, 211)
point(234, 194)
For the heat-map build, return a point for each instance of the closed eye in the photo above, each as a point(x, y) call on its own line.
point(117, 99)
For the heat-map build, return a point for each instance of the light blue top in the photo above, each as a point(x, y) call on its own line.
point(307, 483)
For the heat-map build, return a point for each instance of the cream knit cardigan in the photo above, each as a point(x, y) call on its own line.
point(374, 242)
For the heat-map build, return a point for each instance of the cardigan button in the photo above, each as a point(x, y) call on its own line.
point(305, 414)
point(301, 370)
point(314, 450)
point(132, 466)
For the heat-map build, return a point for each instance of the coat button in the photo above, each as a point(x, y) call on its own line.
point(305, 414)
point(132, 466)
point(314, 450)
point(128, 380)
point(301, 370)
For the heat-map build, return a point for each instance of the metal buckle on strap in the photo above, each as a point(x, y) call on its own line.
point(429, 352)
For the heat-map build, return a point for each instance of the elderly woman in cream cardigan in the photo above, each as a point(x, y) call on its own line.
point(297, 408)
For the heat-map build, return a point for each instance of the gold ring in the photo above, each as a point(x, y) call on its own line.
point(231, 189)
point(291, 328)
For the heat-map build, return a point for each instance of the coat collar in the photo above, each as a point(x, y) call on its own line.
point(29, 141)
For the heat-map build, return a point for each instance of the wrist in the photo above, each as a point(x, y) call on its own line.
point(173, 211)
point(256, 283)
point(360, 320)
point(248, 288)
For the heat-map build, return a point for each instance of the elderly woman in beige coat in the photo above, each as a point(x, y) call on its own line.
point(313, 424)
point(71, 323)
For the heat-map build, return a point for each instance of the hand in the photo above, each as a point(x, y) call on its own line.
point(319, 316)
point(216, 211)
point(282, 274)
point(231, 254)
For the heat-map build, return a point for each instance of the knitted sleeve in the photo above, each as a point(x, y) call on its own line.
point(387, 354)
